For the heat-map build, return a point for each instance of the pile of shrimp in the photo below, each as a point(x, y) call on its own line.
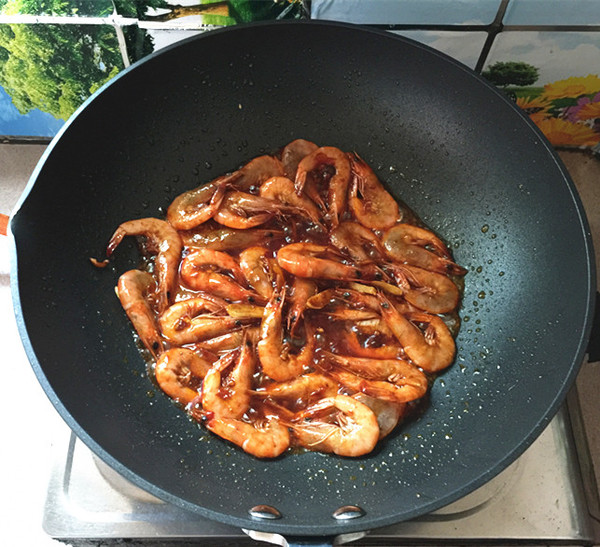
point(293, 303)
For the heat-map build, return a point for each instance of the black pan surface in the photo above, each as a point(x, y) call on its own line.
point(449, 145)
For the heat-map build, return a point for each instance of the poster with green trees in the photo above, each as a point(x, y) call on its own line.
point(55, 53)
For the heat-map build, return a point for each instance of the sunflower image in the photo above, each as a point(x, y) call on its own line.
point(572, 87)
point(533, 104)
point(589, 111)
point(572, 113)
point(567, 111)
point(535, 107)
point(564, 133)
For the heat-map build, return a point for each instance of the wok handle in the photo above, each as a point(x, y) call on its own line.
point(3, 224)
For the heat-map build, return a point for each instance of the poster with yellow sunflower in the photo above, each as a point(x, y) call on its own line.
point(555, 78)
point(566, 111)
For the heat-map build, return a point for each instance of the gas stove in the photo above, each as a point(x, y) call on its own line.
point(539, 499)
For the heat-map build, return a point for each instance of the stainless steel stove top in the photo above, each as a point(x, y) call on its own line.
point(539, 499)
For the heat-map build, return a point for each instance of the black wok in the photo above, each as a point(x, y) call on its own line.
point(453, 148)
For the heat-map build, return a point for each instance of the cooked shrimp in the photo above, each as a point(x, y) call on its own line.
point(347, 314)
point(179, 373)
point(328, 302)
point(302, 290)
point(192, 320)
point(432, 348)
point(345, 304)
point(228, 396)
point(135, 290)
point(224, 342)
point(196, 206)
point(326, 163)
point(349, 298)
point(221, 238)
point(229, 341)
point(162, 238)
point(213, 302)
point(323, 261)
point(388, 414)
point(301, 391)
point(256, 171)
point(293, 153)
point(372, 205)
point(205, 270)
point(243, 211)
point(372, 339)
point(287, 303)
point(339, 424)
point(216, 260)
point(394, 369)
point(357, 241)
point(263, 438)
point(217, 283)
point(275, 356)
point(261, 271)
point(419, 247)
point(392, 380)
point(429, 291)
point(281, 189)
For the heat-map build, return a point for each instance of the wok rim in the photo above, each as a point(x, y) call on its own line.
point(290, 528)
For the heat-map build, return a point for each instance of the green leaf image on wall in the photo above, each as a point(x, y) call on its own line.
point(214, 12)
point(56, 67)
point(511, 72)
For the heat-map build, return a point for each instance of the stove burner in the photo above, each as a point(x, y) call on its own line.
point(539, 498)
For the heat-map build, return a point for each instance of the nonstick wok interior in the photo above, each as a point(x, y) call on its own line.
point(451, 147)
